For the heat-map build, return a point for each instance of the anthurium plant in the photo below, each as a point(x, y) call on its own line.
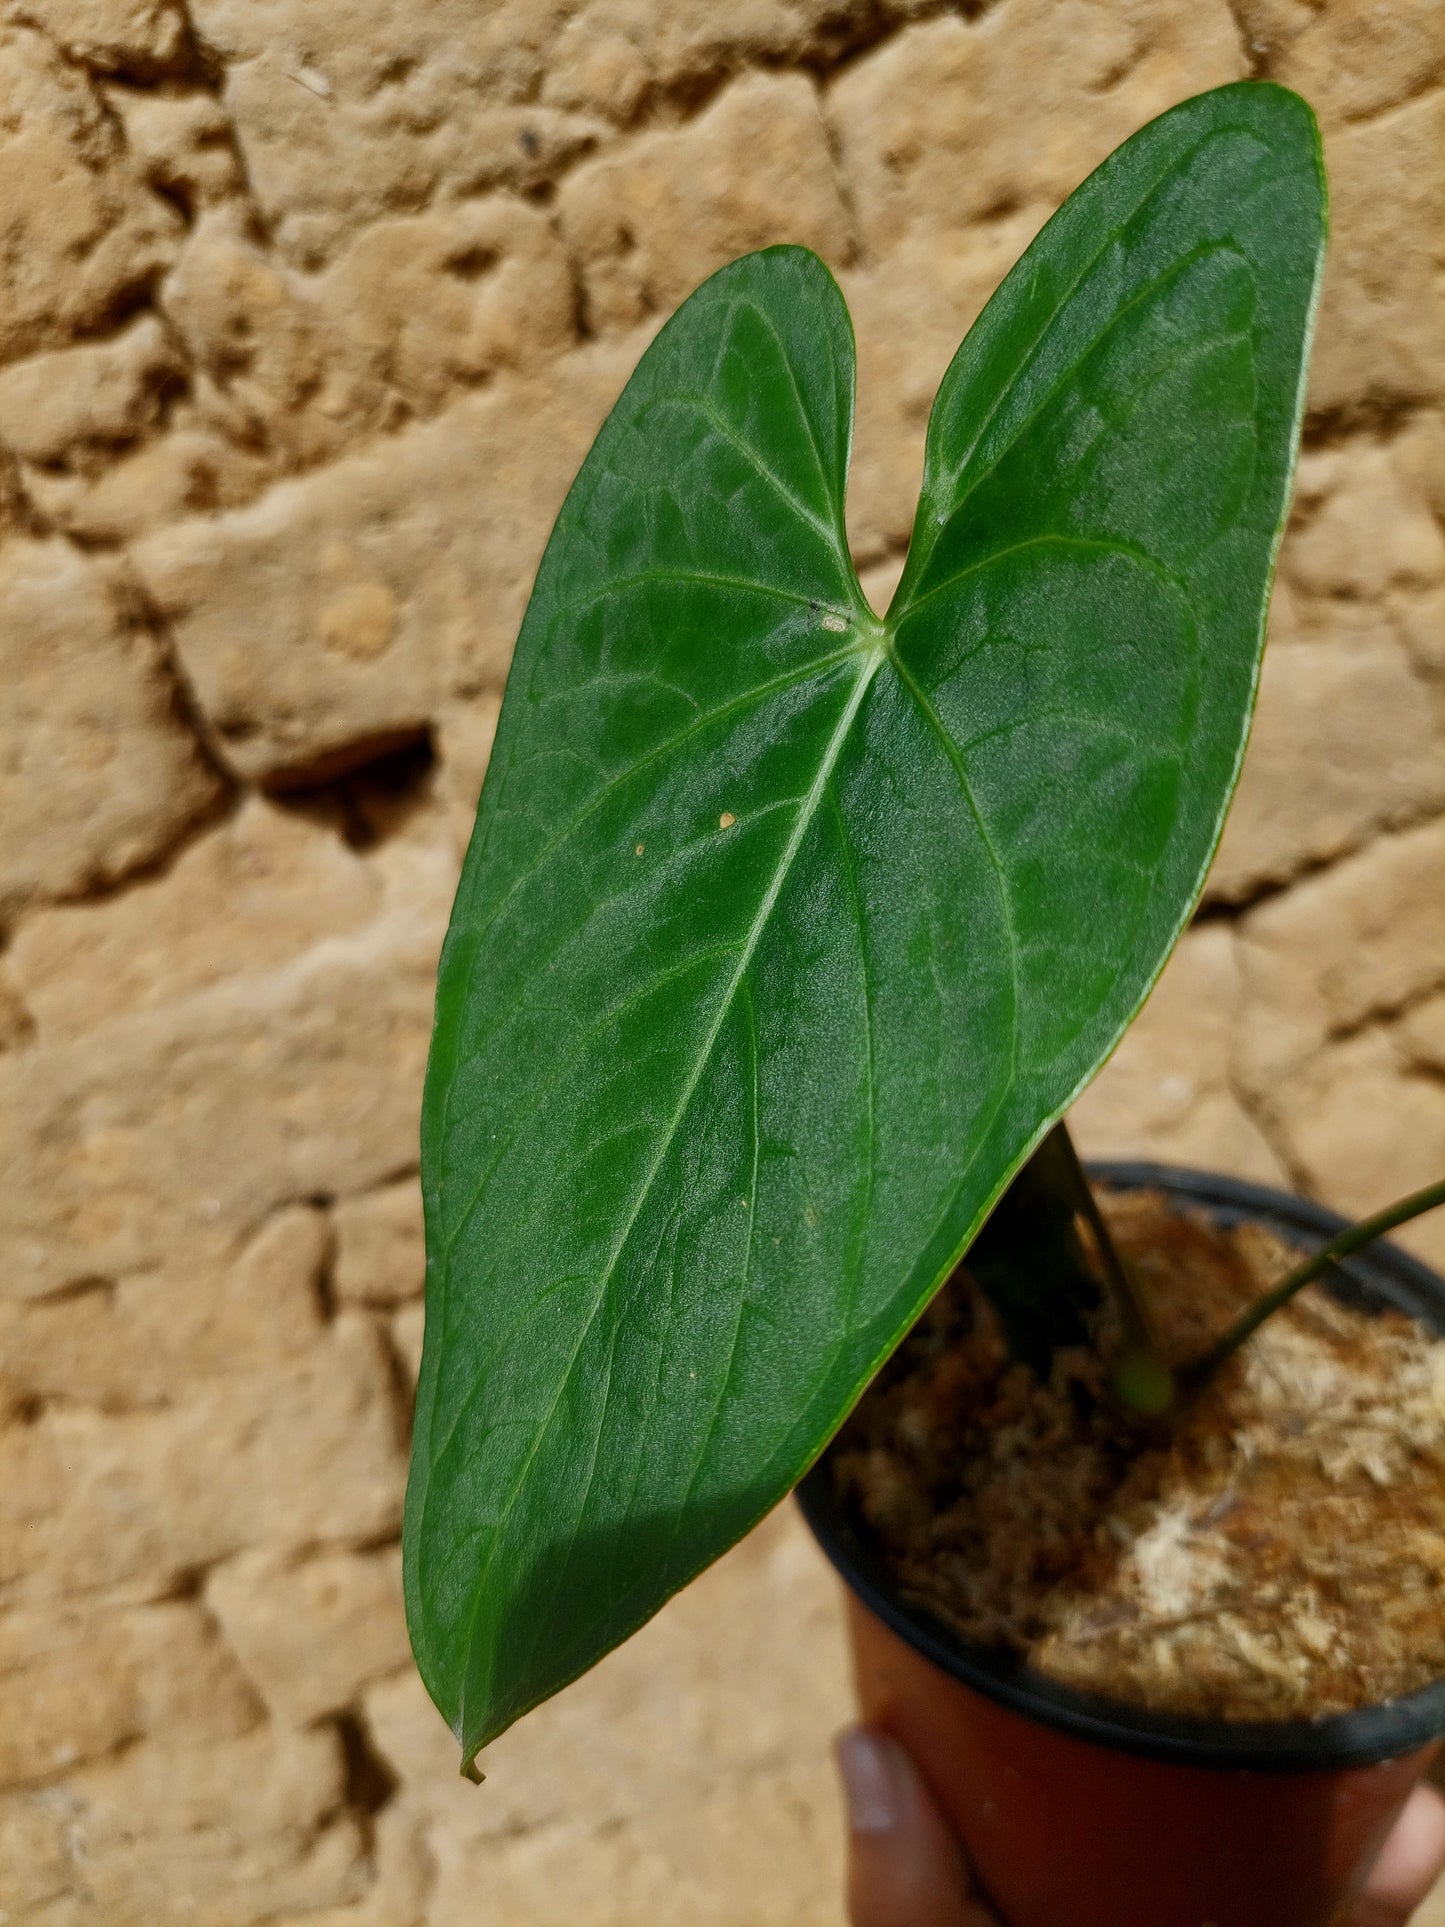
point(789, 930)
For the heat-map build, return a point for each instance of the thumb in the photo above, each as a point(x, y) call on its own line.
point(905, 1866)
point(1410, 1863)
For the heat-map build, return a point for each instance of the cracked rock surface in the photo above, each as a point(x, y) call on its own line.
point(308, 311)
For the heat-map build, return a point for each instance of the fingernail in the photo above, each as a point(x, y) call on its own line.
point(872, 1782)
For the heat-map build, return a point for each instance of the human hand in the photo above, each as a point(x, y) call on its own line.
point(907, 1869)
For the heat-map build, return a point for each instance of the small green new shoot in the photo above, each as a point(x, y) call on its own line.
point(1200, 1370)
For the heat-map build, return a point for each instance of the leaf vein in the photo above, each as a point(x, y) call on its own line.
point(1099, 545)
point(935, 723)
point(750, 455)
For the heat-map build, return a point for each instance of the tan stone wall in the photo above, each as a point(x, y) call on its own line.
point(308, 309)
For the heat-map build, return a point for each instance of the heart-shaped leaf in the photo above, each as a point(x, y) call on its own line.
point(787, 931)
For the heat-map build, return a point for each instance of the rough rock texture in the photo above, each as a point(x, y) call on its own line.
point(308, 310)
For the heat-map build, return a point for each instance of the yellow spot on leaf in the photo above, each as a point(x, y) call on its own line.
point(640, 848)
point(726, 820)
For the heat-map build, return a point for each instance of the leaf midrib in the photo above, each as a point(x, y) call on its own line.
point(872, 660)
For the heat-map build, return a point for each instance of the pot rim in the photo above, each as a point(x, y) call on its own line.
point(1380, 1275)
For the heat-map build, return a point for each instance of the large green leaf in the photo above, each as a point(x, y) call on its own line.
point(785, 931)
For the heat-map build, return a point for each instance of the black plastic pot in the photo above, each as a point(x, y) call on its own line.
point(1087, 1812)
